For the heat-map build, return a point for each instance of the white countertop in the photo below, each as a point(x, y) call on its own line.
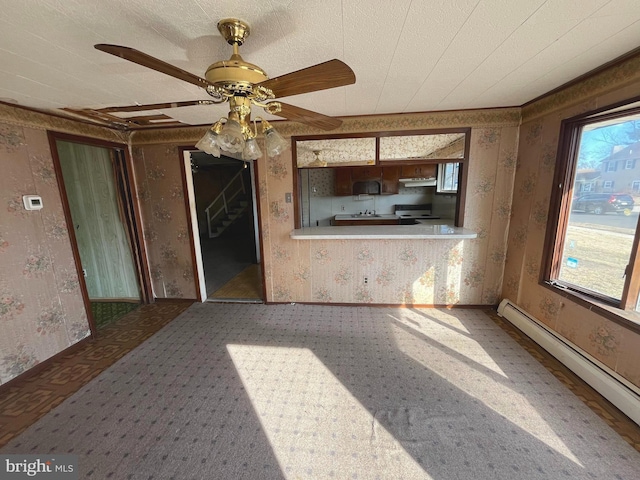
point(383, 232)
point(382, 216)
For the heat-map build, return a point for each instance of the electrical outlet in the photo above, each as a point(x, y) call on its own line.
point(84, 272)
point(342, 207)
point(366, 280)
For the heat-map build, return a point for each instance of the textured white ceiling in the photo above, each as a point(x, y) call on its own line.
point(408, 55)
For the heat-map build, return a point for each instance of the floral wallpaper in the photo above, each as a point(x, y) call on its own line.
point(322, 182)
point(614, 345)
point(164, 217)
point(440, 145)
point(399, 271)
point(41, 307)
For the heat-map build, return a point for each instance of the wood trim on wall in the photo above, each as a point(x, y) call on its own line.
point(192, 237)
point(256, 174)
point(462, 175)
point(134, 221)
point(28, 117)
point(297, 187)
point(558, 221)
point(187, 206)
point(72, 234)
point(5, 387)
point(585, 76)
point(135, 228)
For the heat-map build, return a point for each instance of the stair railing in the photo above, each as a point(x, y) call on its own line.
point(220, 206)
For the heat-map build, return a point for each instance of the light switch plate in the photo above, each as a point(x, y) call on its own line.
point(287, 197)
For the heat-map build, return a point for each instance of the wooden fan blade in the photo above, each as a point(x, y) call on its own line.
point(308, 117)
point(153, 63)
point(331, 74)
point(154, 106)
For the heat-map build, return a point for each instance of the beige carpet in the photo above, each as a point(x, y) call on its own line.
point(242, 391)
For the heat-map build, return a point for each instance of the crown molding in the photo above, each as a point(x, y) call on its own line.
point(621, 74)
point(496, 117)
point(20, 116)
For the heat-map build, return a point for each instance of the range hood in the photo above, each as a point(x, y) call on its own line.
point(418, 182)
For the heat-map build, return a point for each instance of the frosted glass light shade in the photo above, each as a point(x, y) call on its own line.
point(209, 143)
point(231, 138)
point(274, 142)
point(251, 150)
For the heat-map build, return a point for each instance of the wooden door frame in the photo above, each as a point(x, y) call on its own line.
point(198, 271)
point(134, 223)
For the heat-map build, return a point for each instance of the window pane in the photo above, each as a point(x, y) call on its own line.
point(451, 176)
point(604, 212)
point(448, 177)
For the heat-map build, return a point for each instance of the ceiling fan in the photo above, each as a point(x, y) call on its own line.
point(243, 84)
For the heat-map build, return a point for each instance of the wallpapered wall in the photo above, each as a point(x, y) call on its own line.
point(612, 344)
point(41, 307)
point(164, 217)
point(399, 271)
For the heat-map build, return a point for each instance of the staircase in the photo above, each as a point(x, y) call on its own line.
point(229, 206)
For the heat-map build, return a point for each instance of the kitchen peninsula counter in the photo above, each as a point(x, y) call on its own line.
point(383, 232)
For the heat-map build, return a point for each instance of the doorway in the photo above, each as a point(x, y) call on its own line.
point(225, 207)
point(95, 185)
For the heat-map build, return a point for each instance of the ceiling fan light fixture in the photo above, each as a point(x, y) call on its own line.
point(231, 138)
point(209, 141)
point(274, 142)
point(208, 144)
point(251, 150)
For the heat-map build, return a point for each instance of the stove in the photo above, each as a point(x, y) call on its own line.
point(409, 213)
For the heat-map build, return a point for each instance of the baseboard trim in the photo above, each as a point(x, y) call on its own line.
point(390, 305)
point(175, 300)
point(43, 365)
point(619, 391)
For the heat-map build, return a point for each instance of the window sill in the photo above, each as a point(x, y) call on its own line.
point(625, 318)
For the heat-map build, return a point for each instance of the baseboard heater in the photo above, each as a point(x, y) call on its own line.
point(619, 391)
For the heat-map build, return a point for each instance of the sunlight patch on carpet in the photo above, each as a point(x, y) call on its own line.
point(464, 363)
point(314, 424)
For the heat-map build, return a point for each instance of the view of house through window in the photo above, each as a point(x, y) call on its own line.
point(596, 246)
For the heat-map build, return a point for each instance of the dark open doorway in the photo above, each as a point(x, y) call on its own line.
point(225, 207)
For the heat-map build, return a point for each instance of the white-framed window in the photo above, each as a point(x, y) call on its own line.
point(587, 187)
point(630, 164)
point(448, 177)
point(594, 263)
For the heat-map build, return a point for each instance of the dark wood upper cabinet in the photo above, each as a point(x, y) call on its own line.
point(351, 180)
point(343, 182)
point(364, 174)
point(390, 178)
point(419, 171)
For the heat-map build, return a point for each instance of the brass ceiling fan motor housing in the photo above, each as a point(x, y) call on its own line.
point(240, 83)
point(235, 74)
